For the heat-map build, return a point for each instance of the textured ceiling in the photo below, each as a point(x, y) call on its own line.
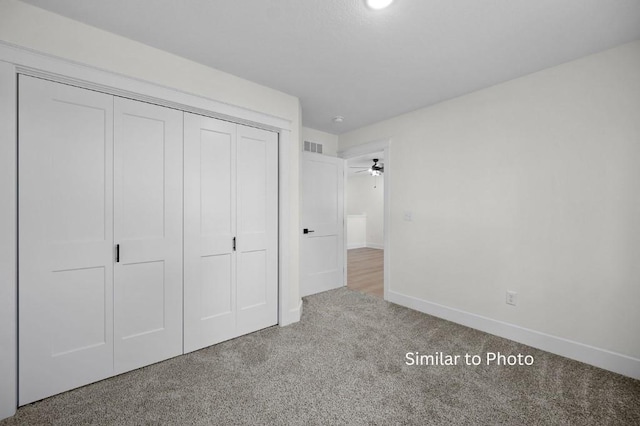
point(341, 58)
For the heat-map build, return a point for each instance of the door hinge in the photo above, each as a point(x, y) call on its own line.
point(234, 243)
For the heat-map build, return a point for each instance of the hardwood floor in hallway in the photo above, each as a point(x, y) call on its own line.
point(365, 271)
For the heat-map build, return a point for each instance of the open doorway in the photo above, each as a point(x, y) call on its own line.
point(366, 218)
point(365, 223)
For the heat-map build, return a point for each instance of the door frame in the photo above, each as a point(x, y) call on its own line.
point(16, 60)
point(356, 151)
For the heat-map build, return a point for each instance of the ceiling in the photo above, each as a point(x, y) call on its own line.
point(341, 58)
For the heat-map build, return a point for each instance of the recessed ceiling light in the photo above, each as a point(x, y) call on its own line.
point(378, 4)
point(338, 119)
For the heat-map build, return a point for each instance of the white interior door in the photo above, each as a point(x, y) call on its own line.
point(322, 245)
point(65, 238)
point(209, 229)
point(148, 233)
point(231, 231)
point(257, 233)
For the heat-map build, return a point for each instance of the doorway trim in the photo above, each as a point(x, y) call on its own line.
point(356, 151)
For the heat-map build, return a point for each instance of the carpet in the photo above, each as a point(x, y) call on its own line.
point(345, 362)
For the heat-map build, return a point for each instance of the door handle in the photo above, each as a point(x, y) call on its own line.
point(307, 231)
point(117, 253)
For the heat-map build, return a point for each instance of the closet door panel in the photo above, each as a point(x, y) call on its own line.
point(148, 230)
point(217, 295)
point(141, 149)
point(65, 238)
point(257, 233)
point(210, 267)
point(253, 283)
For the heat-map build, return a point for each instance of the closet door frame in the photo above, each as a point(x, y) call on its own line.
point(15, 60)
point(8, 240)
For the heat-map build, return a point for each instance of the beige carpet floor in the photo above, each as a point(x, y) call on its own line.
point(344, 363)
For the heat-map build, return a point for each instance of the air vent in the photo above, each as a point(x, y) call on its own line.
point(313, 147)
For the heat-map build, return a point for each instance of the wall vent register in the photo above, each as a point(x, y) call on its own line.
point(313, 147)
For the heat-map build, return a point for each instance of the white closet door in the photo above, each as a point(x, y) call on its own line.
point(231, 191)
point(148, 230)
point(65, 238)
point(210, 226)
point(257, 233)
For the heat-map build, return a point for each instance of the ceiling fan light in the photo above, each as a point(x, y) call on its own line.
point(378, 4)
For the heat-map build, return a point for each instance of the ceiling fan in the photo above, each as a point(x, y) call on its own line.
point(375, 170)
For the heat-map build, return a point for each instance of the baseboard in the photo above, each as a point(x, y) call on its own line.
point(7, 410)
point(367, 245)
point(296, 313)
point(602, 358)
point(293, 315)
point(356, 246)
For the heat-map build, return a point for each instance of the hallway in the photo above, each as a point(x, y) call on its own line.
point(365, 271)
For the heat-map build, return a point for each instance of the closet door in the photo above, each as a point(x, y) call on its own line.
point(231, 231)
point(148, 234)
point(210, 226)
point(65, 238)
point(257, 234)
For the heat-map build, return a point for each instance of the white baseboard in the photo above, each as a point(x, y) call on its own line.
point(365, 245)
point(602, 358)
point(296, 313)
point(293, 315)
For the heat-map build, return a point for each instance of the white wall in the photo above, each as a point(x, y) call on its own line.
point(533, 186)
point(356, 231)
point(33, 28)
point(364, 198)
point(329, 142)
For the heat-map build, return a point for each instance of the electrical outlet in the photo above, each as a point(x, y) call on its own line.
point(512, 298)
